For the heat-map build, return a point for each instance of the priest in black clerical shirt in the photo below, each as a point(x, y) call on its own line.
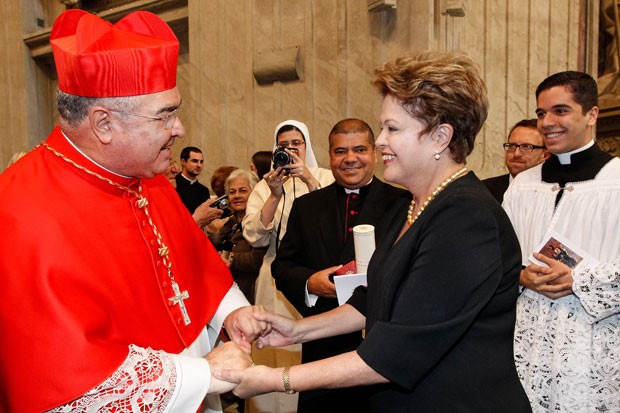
point(192, 192)
point(319, 240)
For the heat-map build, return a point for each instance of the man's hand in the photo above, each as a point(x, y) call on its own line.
point(227, 356)
point(243, 327)
point(204, 214)
point(319, 283)
point(553, 282)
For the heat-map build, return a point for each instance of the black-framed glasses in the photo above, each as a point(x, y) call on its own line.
point(523, 147)
point(168, 119)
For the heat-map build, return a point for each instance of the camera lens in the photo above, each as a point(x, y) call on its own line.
point(280, 158)
point(220, 203)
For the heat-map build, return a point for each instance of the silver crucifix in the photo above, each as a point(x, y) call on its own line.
point(178, 299)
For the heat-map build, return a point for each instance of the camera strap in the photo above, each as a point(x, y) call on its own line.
point(282, 213)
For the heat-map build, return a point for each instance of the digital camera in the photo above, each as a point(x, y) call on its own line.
point(280, 158)
point(223, 204)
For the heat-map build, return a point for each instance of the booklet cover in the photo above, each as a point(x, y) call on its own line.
point(345, 284)
point(558, 247)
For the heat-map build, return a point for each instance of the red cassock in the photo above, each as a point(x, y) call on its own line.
point(82, 278)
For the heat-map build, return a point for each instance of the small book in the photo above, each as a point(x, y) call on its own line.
point(560, 248)
point(348, 268)
point(345, 284)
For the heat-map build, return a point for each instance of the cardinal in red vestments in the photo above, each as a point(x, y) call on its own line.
point(113, 297)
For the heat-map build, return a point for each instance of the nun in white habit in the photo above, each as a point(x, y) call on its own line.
point(265, 224)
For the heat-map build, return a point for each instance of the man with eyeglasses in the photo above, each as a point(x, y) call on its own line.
point(524, 149)
point(114, 298)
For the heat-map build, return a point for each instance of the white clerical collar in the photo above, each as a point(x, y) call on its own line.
point(191, 181)
point(355, 191)
point(90, 159)
point(564, 158)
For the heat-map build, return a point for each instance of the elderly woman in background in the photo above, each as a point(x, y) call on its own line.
point(265, 225)
point(243, 260)
point(439, 309)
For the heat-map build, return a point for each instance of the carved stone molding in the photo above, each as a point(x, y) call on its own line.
point(70, 3)
point(173, 12)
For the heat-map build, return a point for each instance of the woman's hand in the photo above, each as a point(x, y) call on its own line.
point(283, 331)
point(275, 179)
point(227, 356)
point(252, 381)
point(298, 168)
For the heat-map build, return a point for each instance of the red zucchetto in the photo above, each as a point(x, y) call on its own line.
point(136, 56)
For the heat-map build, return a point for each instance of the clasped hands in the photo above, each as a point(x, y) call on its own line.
point(231, 363)
point(554, 281)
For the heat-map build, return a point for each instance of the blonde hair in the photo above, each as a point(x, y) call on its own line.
point(436, 88)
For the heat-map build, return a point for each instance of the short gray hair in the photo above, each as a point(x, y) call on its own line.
point(241, 173)
point(74, 109)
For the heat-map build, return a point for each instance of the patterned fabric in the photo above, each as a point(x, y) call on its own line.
point(567, 351)
point(144, 383)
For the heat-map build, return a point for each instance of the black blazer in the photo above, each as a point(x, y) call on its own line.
point(441, 306)
point(497, 186)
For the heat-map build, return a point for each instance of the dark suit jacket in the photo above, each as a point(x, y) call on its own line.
point(441, 306)
point(498, 186)
point(314, 241)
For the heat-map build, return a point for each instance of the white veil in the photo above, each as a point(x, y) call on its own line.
point(310, 158)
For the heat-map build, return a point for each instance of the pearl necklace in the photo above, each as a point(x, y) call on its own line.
point(410, 217)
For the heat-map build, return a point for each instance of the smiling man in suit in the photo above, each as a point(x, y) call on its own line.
point(319, 240)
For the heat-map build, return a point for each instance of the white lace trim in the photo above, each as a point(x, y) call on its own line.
point(145, 382)
point(567, 351)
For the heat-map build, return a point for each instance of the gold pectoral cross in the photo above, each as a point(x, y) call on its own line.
point(178, 299)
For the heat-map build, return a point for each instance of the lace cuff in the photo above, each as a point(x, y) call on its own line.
point(598, 289)
point(145, 382)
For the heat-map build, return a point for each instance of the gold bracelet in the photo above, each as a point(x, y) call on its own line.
point(287, 381)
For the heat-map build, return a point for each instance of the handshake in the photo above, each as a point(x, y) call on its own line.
point(245, 326)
